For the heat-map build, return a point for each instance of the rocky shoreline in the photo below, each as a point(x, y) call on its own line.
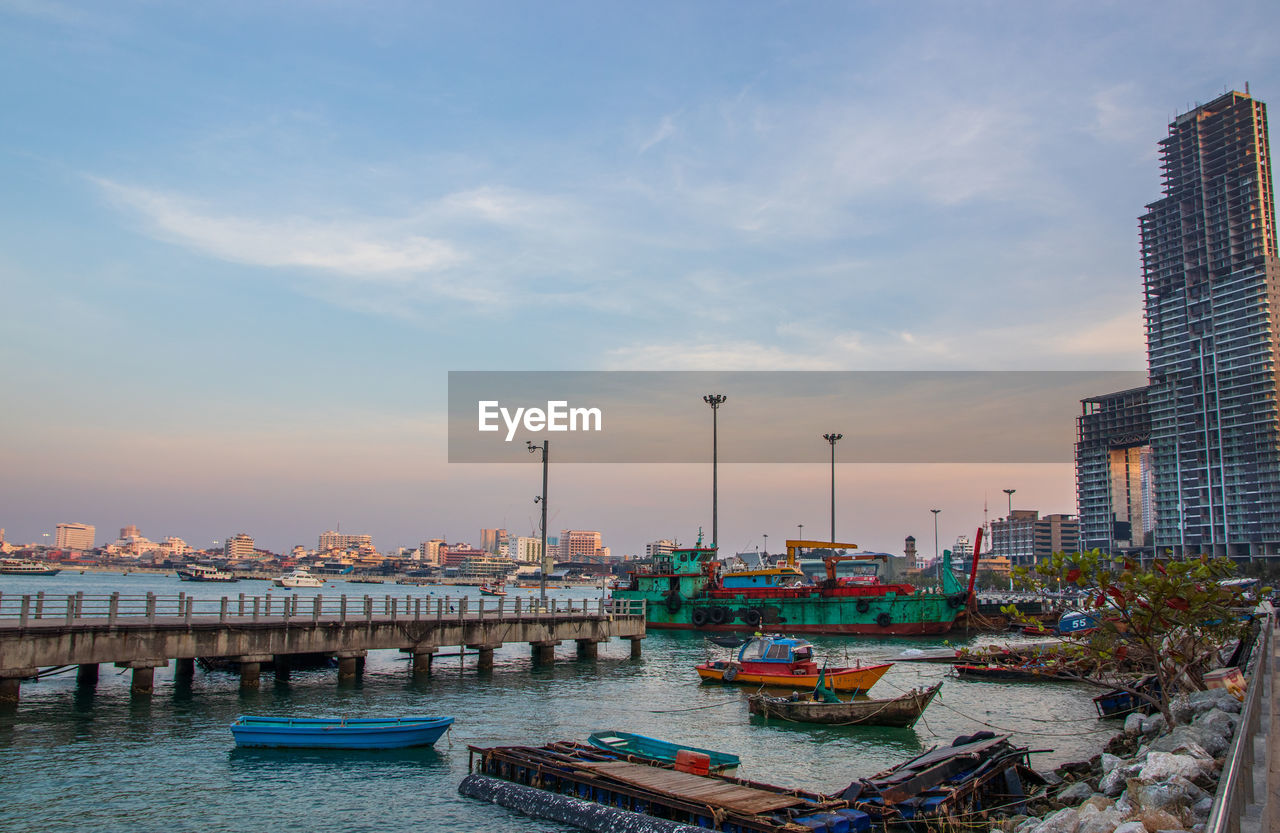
point(1150, 778)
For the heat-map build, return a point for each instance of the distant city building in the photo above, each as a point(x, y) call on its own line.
point(660, 547)
point(579, 545)
point(909, 551)
point(1211, 283)
point(331, 540)
point(1025, 538)
point(1115, 491)
point(239, 545)
point(491, 540)
point(529, 550)
point(453, 556)
point(172, 546)
point(962, 552)
point(74, 536)
point(130, 531)
point(429, 551)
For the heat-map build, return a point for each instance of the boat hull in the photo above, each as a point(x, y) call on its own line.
point(661, 751)
point(12, 572)
point(902, 712)
point(852, 680)
point(320, 733)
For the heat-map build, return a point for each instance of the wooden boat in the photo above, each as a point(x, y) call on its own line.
point(339, 733)
point(658, 751)
point(1120, 703)
point(1010, 672)
point(492, 590)
point(901, 711)
point(787, 662)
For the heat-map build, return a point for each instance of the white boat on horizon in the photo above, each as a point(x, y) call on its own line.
point(23, 567)
point(300, 577)
point(204, 572)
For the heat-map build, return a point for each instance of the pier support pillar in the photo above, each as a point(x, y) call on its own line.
point(350, 665)
point(588, 648)
point(10, 685)
point(545, 651)
point(635, 646)
point(420, 657)
point(484, 662)
point(144, 675)
point(283, 667)
point(87, 675)
point(251, 669)
point(184, 668)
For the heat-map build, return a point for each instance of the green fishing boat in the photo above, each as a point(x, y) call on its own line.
point(689, 589)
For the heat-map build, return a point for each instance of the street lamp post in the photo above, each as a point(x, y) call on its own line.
point(766, 545)
point(833, 439)
point(936, 563)
point(715, 400)
point(545, 448)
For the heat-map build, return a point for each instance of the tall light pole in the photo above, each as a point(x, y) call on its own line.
point(715, 400)
point(766, 545)
point(1010, 492)
point(545, 448)
point(935, 541)
point(833, 439)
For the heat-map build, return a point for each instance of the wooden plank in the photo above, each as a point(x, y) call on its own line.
point(698, 788)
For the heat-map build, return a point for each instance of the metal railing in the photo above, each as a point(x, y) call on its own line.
point(47, 610)
point(1235, 785)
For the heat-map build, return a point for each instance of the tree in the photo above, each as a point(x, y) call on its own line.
point(1170, 620)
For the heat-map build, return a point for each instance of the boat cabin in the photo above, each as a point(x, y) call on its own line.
point(777, 651)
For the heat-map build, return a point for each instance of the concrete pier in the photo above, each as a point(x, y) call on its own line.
point(184, 668)
point(87, 675)
point(484, 662)
point(587, 648)
point(283, 665)
point(144, 675)
point(251, 669)
point(635, 646)
point(544, 651)
point(350, 665)
point(421, 661)
point(11, 686)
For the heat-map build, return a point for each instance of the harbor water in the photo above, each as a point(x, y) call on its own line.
point(105, 761)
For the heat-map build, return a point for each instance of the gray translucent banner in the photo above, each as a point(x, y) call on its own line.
point(773, 416)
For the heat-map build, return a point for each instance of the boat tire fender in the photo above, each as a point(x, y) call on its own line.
point(957, 599)
point(718, 615)
point(673, 602)
point(699, 617)
point(884, 620)
point(753, 617)
point(863, 605)
point(730, 674)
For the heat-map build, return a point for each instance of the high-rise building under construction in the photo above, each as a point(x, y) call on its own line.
point(1212, 297)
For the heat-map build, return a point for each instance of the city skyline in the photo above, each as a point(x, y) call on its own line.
point(240, 254)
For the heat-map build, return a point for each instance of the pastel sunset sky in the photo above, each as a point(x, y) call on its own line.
point(243, 243)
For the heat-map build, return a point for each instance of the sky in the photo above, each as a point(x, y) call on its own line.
point(242, 244)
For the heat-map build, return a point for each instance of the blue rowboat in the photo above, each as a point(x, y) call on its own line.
point(339, 733)
point(660, 751)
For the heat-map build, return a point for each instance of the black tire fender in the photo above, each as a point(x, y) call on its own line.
point(699, 617)
point(863, 605)
point(730, 674)
point(753, 617)
point(718, 615)
point(674, 602)
point(884, 620)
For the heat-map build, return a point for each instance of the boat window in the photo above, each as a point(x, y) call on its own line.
point(778, 652)
point(804, 654)
point(755, 649)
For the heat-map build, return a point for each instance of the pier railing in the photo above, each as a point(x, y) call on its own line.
point(80, 608)
point(1236, 784)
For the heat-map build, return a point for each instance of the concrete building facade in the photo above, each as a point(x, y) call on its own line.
point(74, 536)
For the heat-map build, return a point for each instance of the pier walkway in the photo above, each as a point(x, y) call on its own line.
point(146, 632)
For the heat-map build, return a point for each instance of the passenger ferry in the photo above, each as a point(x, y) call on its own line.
point(203, 572)
point(18, 567)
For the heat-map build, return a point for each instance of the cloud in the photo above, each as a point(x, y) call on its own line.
point(666, 129)
point(361, 249)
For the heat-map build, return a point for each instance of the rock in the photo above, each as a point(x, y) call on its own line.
point(1124, 806)
point(1113, 783)
point(1181, 710)
point(1103, 821)
point(1028, 824)
point(1133, 723)
point(1201, 809)
point(1051, 779)
point(1160, 820)
point(1153, 724)
point(1066, 820)
point(1217, 721)
point(1074, 769)
point(1160, 766)
point(1077, 792)
point(1011, 824)
point(1110, 762)
point(1209, 742)
point(1173, 795)
point(1214, 698)
point(1122, 744)
point(1131, 827)
point(1097, 802)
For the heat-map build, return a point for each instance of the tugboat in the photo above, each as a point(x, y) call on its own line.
point(687, 589)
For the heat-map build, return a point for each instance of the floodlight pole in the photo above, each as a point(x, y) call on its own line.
point(833, 439)
point(545, 448)
point(715, 400)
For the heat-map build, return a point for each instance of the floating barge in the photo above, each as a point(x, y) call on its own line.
point(959, 782)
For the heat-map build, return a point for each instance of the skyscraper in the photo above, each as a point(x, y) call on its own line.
point(71, 536)
point(1212, 293)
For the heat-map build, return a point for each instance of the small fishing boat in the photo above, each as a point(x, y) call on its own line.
point(901, 711)
point(1121, 703)
point(205, 572)
point(787, 662)
point(493, 590)
point(649, 749)
point(339, 733)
